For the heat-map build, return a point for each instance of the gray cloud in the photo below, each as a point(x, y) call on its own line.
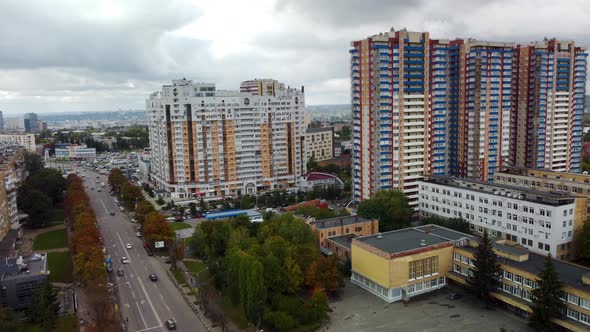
point(91, 55)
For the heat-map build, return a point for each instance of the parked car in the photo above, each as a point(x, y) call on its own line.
point(112, 213)
point(153, 277)
point(128, 246)
point(138, 234)
point(125, 260)
point(120, 272)
point(122, 209)
point(171, 324)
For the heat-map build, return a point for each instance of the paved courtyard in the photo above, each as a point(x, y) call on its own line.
point(360, 311)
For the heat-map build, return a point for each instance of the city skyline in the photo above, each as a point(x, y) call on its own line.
point(67, 71)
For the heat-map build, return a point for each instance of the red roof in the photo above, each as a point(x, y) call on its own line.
point(314, 176)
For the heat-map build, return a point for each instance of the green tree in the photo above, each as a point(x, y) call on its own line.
point(311, 164)
point(131, 195)
point(279, 320)
point(181, 210)
point(50, 182)
point(44, 307)
point(33, 162)
point(203, 206)
point(482, 280)
point(546, 302)
point(457, 224)
point(585, 241)
point(390, 207)
point(294, 273)
point(160, 201)
point(143, 209)
point(318, 305)
point(9, 320)
point(34, 203)
point(193, 209)
point(255, 292)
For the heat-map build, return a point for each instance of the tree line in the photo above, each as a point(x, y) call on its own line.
point(273, 271)
point(41, 191)
point(89, 260)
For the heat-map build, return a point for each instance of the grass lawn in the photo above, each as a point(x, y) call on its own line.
point(194, 266)
point(64, 324)
point(179, 225)
point(60, 265)
point(51, 240)
point(178, 276)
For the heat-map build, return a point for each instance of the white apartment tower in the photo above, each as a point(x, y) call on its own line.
point(214, 143)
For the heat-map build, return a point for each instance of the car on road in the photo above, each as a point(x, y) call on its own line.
point(120, 272)
point(138, 234)
point(92, 188)
point(122, 209)
point(148, 250)
point(133, 220)
point(99, 190)
point(128, 246)
point(112, 213)
point(153, 277)
point(171, 324)
point(125, 260)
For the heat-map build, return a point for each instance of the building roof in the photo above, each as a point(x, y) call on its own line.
point(7, 243)
point(13, 267)
point(338, 221)
point(343, 240)
point(315, 176)
point(318, 130)
point(570, 274)
point(412, 238)
point(502, 190)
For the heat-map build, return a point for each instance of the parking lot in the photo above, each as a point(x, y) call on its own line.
point(360, 311)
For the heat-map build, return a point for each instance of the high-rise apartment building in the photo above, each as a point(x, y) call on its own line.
point(30, 122)
point(457, 107)
point(214, 143)
point(1, 120)
point(548, 105)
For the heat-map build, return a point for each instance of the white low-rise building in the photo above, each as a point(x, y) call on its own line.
point(542, 222)
point(25, 140)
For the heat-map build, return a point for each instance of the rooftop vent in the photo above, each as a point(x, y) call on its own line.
point(422, 243)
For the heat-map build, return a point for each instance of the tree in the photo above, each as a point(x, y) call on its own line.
point(203, 206)
point(155, 228)
point(160, 201)
point(279, 320)
point(294, 273)
point(9, 320)
point(458, 224)
point(33, 162)
point(34, 203)
point(482, 280)
point(49, 181)
point(546, 302)
point(193, 209)
point(143, 209)
point(390, 207)
point(585, 241)
point(255, 292)
point(181, 211)
point(44, 307)
point(131, 195)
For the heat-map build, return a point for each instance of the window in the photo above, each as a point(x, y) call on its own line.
point(456, 257)
point(528, 282)
point(517, 279)
point(584, 319)
point(508, 275)
point(571, 298)
point(584, 303)
point(573, 314)
point(423, 267)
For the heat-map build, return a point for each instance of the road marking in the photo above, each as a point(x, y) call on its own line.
point(123, 246)
point(149, 300)
point(104, 206)
point(140, 314)
point(151, 328)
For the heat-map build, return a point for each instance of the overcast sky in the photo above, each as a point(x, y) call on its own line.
point(76, 55)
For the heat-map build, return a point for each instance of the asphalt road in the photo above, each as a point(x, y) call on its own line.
point(146, 304)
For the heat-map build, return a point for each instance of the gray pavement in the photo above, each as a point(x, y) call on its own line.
point(360, 311)
point(146, 304)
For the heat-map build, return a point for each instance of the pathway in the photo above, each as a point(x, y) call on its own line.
point(26, 247)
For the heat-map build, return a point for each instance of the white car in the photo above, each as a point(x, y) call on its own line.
point(138, 234)
point(125, 260)
point(128, 246)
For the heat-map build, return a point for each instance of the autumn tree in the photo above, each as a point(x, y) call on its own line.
point(144, 208)
point(155, 228)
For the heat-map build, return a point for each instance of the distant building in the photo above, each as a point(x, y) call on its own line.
point(319, 180)
point(19, 277)
point(262, 87)
point(14, 124)
point(25, 140)
point(319, 143)
point(11, 174)
point(543, 222)
point(41, 126)
point(327, 229)
point(1, 121)
point(31, 123)
point(74, 152)
point(341, 146)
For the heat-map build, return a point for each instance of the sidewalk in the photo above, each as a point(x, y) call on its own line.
point(26, 247)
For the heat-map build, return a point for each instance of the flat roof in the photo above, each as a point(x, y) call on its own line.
point(318, 130)
point(33, 265)
point(343, 240)
point(502, 190)
point(412, 238)
point(570, 274)
point(335, 222)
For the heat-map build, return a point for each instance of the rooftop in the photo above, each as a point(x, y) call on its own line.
point(319, 130)
point(343, 240)
point(412, 238)
point(339, 221)
point(520, 193)
point(17, 267)
point(570, 274)
point(314, 176)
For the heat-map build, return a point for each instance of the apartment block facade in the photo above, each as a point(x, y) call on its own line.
point(12, 172)
point(214, 143)
point(25, 140)
point(460, 107)
point(319, 143)
point(542, 222)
